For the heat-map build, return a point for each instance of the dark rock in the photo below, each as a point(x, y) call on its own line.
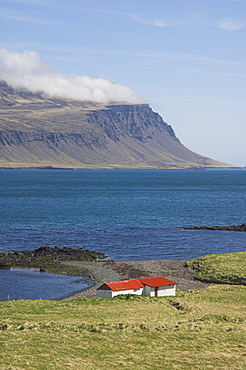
point(46, 257)
point(5, 265)
point(241, 227)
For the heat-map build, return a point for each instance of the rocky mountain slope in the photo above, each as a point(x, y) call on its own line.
point(38, 131)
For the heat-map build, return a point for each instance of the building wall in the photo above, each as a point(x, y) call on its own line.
point(129, 291)
point(162, 291)
point(148, 291)
point(111, 293)
point(104, 293)
point(166, 290)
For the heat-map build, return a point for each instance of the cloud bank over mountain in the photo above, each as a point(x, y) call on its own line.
point(27, 70)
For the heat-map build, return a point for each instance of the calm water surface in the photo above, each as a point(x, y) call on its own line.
point(32, 284)
point(127, 214)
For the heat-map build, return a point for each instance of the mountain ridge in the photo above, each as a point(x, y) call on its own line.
point(38, 131)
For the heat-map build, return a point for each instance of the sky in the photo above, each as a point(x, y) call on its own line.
point(187, 59)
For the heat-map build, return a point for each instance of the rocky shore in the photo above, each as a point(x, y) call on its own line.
point(101, 272)
point(50, 259)
point(91, 264)
point(241, 227)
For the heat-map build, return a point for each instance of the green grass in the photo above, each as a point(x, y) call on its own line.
point(197, 329)
point(229, 268)
point(207, 331)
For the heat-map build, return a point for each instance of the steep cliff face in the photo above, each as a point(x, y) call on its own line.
point(135, 121)
point(38, 131)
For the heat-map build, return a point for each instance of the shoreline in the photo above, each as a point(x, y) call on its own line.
point(100, 272)
point(97, 269)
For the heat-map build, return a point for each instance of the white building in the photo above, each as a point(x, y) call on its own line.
point(152, 287)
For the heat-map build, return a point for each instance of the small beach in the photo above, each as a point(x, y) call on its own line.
point(107, 271)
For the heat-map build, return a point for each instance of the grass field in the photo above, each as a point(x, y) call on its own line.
point(199, 329)
point(229, 268)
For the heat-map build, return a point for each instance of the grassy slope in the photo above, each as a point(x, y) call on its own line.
point(221, 268)
point(207, 330)
point(194, 330)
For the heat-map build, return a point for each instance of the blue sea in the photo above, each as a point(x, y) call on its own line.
point(127, 214)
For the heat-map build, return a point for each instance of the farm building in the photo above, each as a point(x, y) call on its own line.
point(152, 287)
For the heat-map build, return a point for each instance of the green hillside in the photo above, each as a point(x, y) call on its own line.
point(199, 329)
point(229, 268)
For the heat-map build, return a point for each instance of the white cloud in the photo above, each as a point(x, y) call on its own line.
point(156, 22)
point(230, 25)
point(26, 70)
point(191, 19)
point(25, 62)
point(150, 22)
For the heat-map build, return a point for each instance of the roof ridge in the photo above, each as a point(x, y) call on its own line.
point(153, 281)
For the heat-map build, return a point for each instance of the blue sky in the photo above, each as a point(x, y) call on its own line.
point(185, 58)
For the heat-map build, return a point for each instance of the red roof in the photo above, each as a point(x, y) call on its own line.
point(156, 281)
point(121, 285)
point(136, 283)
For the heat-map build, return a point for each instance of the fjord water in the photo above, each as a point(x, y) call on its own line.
point(127, 214)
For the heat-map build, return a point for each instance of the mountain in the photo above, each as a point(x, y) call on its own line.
point(40, 131)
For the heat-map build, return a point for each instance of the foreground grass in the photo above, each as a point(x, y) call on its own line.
point(229, 268)
point(195, 330)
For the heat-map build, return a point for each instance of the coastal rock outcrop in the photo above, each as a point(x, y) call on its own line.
point(241, 227)
point(46, 257)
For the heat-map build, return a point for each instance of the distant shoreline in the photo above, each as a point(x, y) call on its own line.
point(121, 168)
